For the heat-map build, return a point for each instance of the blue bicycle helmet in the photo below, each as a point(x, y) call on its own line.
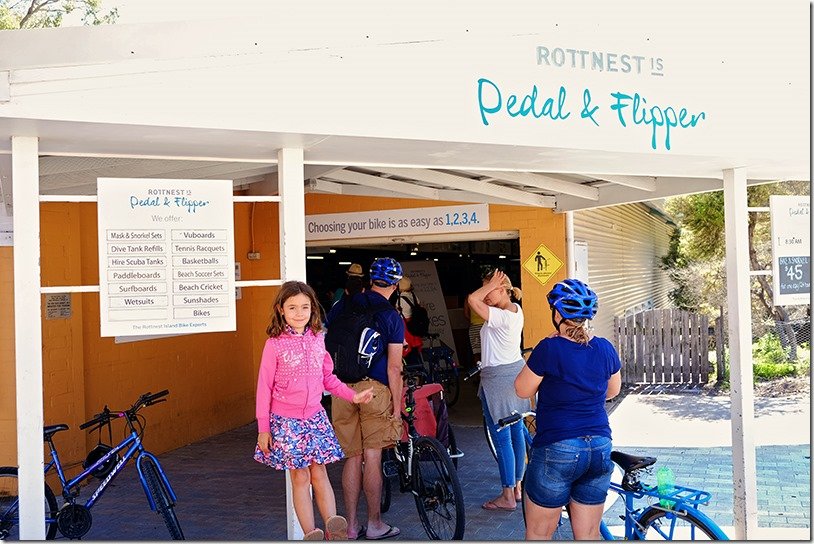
point(386, 270)
point(573, 299)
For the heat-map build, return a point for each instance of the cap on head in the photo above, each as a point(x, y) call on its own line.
point(405, 284)
point(573, 299)
point(385, 271)
point(355, 269)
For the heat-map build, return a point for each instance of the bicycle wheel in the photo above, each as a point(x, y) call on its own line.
point(9, 516)
point(437, 491)
point(686, 524)
point(489, 441)
point(163, 504)
point(387, 487)
point(450, 380)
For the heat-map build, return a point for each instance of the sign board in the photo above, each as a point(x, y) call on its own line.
point(403, 222)
point(427, 287)
point(58, 306)
point(791, 249)
point(166, 256)
point(542, 264)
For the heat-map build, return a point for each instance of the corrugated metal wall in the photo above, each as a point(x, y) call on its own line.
point(625, 246)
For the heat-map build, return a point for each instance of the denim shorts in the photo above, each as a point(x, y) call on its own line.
point(576, 468)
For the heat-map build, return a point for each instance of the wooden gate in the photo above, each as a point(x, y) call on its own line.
point(663, 346)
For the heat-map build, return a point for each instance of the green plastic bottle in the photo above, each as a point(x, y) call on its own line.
point(666, 484)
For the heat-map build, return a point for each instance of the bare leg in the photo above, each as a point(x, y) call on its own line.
point(323, 492)
point(540, 522)
point(518, 491)
point(585, 520)
point(303, 506)
point(372, 481)
point(351, 490)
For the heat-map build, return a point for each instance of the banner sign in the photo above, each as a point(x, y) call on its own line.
point(166, 256)
point(409, 221)
point(791, 249)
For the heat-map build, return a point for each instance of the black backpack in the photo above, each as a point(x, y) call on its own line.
point(419, 323)
point(344, 339)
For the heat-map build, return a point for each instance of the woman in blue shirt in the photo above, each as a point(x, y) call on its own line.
point(573, 374)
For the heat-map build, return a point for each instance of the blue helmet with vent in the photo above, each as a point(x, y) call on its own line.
point(573, 299)
point(386, 270)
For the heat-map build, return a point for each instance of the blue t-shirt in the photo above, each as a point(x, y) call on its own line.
point(571, 397)
point(388, 323)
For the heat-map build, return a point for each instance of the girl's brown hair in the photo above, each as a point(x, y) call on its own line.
point(290, 289)
point(575, 330)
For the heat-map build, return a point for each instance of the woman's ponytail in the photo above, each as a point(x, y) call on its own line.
point(575, 331)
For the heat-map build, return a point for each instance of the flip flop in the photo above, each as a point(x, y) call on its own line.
point(360, 535)
point(336, 528)
point(391, 532)
point(316, 534)
point(490, 505)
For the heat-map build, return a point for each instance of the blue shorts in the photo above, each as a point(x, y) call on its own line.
point(576, 468)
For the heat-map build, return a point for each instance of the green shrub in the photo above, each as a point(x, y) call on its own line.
point(771, 371)
point(768, 350)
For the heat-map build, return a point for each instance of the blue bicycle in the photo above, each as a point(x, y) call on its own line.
point(672, 515)
point(73, 519)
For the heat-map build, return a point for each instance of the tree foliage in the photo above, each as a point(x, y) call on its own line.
point(696, 260)
point(16, 14)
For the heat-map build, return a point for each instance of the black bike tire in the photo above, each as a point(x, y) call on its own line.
point(434, 447)
point(452, 387)
point(489, 442)
point(50, 499)
point(653, 514)
point(387, 495)
point(163, 504)
point(453, 446)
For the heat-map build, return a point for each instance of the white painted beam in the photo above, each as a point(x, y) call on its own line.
point(442, 179)
point(28, 335)
point(292, 263)
point(618, 194)
point(644, 183)
point(322, 186)
point(741, 388)
point(547, 182)
point(366, 180)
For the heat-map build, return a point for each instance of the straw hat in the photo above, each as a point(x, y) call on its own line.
point(405, 284)
point(355, 270)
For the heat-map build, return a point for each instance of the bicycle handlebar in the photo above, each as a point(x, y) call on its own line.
point(147, 399)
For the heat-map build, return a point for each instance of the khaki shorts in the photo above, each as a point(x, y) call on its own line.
point(366, 426)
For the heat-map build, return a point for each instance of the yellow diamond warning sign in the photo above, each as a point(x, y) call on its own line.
point(542, 264)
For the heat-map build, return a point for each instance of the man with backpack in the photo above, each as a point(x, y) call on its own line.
point(365, 338)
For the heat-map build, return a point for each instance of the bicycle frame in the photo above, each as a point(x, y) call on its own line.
point(134, 448)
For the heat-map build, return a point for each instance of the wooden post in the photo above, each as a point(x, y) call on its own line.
point(720, 351)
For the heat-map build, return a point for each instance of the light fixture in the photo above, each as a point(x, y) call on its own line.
point(501, 256)
point(314, 257)
point(413, 253)
point(436, 260)
point(344, 263)
point(331, 251)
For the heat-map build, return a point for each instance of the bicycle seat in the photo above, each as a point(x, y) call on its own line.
point(630, 463)
point(50, 430)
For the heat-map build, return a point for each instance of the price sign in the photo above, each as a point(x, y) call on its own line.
point(791, 249)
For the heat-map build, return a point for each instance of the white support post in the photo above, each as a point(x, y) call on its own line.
point(740, 353)
point(290, 180)
point(569, 244)
point(28, 334)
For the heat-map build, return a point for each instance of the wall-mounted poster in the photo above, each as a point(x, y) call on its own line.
point(166, 256)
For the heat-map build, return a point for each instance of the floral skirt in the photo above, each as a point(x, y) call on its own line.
point(299, 443)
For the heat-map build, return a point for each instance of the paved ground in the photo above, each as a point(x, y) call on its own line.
point(225, 495)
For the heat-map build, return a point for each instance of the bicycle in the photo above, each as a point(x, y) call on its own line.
point(73, 519)
point(424, 468)
point(670, 515)
point(439, 366)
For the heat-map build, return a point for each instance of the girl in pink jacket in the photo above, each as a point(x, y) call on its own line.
point(294, 432)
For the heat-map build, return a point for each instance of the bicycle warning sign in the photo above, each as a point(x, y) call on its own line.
point(542, 264)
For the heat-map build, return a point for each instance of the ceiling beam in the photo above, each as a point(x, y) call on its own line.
point(442, 179)
point(617, 194)
point(547, 182)
point(645, 183)
point(376, 182)
point(322, 186)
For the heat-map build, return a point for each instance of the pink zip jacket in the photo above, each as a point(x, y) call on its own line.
point(295, 369)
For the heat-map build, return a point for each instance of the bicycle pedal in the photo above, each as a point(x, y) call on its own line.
point(390, 468)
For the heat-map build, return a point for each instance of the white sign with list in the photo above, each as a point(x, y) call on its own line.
point(166, 256)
